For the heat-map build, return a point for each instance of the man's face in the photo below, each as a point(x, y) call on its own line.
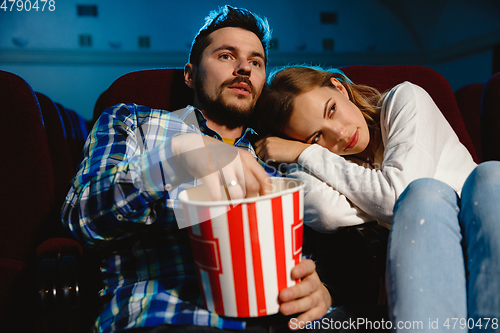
point(230, 77)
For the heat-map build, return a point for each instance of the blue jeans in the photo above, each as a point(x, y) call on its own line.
point(443, 263)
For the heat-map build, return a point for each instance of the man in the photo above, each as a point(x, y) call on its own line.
point(123, 198)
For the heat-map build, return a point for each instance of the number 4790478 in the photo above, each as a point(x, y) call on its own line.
point(28, 5)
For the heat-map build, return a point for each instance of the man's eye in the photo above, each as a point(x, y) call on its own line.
point(224, 56)
point(256, 63)
point(332, 110)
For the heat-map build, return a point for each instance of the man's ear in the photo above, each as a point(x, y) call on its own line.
point(189, 73)
point(336, 83)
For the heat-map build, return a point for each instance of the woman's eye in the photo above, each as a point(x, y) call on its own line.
point(332, 110)
point(316, 137)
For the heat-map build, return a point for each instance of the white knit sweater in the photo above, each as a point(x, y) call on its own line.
point(417, 142)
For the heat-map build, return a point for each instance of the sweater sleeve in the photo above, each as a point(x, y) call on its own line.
point(326, 209)
point(410, 125)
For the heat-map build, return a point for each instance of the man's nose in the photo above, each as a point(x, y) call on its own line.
point(243, 68)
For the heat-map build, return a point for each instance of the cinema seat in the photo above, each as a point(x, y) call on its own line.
point(386, 77)
point(469, 102)
point(490, 121)
point(26, 198)
point(66, 280)
point(156, 88)
point(77, 130)
point(60, 154)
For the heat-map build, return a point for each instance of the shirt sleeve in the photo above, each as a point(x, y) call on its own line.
point(412, 127)
point(127, 170)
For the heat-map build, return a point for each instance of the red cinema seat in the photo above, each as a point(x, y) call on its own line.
point(156, 88)
point(386, 77)
point(469, 102)
point(27, 194)
point(490, 119)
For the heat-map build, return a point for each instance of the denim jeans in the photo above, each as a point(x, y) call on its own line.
point(443, 263)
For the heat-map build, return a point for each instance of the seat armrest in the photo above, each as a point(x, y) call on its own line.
point(59, 286)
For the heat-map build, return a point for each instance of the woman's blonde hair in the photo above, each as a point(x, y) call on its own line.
point(276, 104)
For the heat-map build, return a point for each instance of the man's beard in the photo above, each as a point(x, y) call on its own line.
point(218, 110)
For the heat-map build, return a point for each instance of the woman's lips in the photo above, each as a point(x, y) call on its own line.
point(354, 140)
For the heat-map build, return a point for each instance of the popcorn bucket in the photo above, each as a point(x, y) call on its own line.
point(244, 253)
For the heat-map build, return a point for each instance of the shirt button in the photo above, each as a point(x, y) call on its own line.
point(119, 217)
point(168, 187)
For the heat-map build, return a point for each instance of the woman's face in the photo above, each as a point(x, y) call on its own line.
point(326, 116)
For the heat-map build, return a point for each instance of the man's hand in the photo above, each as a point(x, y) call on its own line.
point(218, 164)
point(309, 297)
point(272, 148)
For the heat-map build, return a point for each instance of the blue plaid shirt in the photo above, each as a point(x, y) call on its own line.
point(118, 205)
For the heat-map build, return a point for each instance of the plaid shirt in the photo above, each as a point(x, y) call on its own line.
point(118, 204)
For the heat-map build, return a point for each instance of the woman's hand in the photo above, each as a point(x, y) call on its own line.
point(274, 149)
point(309, 297)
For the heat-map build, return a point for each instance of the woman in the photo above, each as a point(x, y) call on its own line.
point(358, 150)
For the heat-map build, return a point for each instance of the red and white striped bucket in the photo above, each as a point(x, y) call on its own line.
point(244, 254)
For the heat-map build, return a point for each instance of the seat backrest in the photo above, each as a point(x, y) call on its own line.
point(469, 102)
point(386, 77)
point(27, 184)
point(157, 88)
point(490, 118)
point(77, 130)
point(60, 154)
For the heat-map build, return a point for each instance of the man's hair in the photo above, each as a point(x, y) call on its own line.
point(229, 16)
